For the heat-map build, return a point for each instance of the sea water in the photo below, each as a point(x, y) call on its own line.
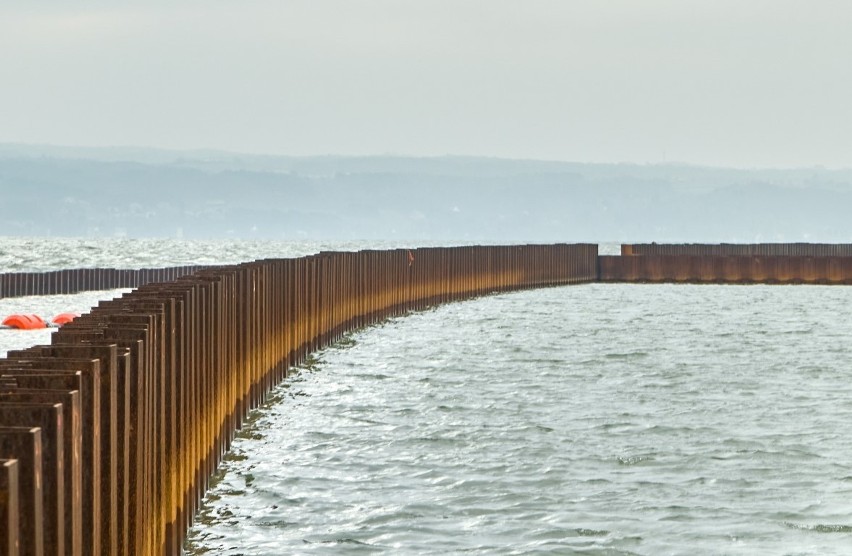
point(599, 419)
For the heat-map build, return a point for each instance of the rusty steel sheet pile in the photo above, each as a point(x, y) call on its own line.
point(76, 280)
point(740, 249)
point(109, 436)
point(727, 263)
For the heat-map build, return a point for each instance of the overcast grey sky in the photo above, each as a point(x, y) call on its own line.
point(721, 82)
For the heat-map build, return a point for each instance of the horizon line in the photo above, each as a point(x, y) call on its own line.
point(397, 155)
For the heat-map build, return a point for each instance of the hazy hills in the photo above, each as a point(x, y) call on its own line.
point(206, 194)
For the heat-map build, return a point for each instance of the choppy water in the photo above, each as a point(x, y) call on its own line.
point(40, 254)
point(600, 419)
point(606, 419)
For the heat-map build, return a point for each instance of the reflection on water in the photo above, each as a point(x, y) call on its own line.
point(616, 419)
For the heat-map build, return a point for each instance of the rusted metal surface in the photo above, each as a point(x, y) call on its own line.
point(23, 443)
point(20, 284)
point(48, 417)
point(135, 403)
point(69, 516)
point(740, 249)
point(82, 376)
point(10, 543)
point(786, 269)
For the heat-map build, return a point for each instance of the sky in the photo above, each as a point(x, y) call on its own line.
point(760, 83)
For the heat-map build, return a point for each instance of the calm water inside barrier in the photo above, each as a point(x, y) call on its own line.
point(600, 419)
point(610, 419)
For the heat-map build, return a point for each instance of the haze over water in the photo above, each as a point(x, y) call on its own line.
point(603, 419)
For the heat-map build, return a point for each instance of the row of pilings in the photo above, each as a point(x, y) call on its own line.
point(757, 263)
point(76, 280)
point(109, 436)
point(808, 263)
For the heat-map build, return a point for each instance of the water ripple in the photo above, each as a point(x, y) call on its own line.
point(602, 419)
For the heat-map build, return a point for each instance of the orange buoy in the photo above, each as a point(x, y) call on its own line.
point(25, 322)
point(64, 318)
